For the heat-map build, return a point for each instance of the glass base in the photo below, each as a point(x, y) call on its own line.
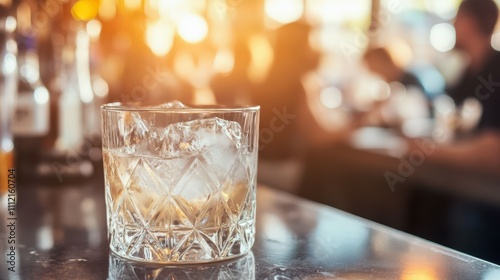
point(242, 267)
point(190, 247)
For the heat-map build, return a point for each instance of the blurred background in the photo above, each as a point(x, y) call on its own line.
point(387, 109)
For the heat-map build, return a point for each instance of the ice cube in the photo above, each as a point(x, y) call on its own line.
point(173, 104)
point(135, 130)
point(197, 136)
point(139, 131)
point(215, 141)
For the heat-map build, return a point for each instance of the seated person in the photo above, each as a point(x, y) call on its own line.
point(474, 24)
point(380, 61)
point(464, 225)
point(235, 87)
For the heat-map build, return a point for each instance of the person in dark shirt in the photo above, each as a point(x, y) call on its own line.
point(474, 24)
point(282, 97)
point(458, 222)
point(235, 88)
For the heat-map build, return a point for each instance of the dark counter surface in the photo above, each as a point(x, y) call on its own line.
point(61, 234)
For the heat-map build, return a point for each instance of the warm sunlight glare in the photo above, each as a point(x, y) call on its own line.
point(172, 9)
point(192, 28)
point(338, 11)
point(418, 273)
point(284, 11)
point(107, 9)
point(159, 37)
point(224, 61)
point(94, 28)
point(262, 57)
point(84, 10)
point(132, 4)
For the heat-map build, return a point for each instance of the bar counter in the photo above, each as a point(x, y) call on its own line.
point(60, 233)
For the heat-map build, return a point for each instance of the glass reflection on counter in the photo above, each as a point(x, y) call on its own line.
point(313, 237)
point(68, 216)
point(241, 268)
point(348, 243)
point(45, 237)
point(492, 274)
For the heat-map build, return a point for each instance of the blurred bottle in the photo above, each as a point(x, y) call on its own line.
point(78, 114)
point(70, 136)
point(69, 158)
point(100, 86)
point(8, 90)
point(78, 106)
point(32, 117)
point(100, 90)
point(75, 122)
point(90, 111)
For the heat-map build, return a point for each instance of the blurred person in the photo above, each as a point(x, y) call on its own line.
point(285, 120)
point(459, 223)
point(282, 95)
point(380, 61)
point(236, 86)
point(139, 76)
point(474, 25)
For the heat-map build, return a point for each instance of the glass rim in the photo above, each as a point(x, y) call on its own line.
point(120, 107)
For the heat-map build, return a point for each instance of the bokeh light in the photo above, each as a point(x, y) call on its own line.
point(442, 37)
point(107, 9)
point(159, 37)
point(338, 11)
point(445, 9)
point(224, 61)
point(9, 65)
point(41, 95)
point(380, 90)
point(10, 24)
point(171, 9)
point(331, 97)
point(418, 271)
point(84, 10)
point(262, 57)
point(495, 41)
point(132, 4)
point(192, 28)
point(94, 28)
point(284, 11)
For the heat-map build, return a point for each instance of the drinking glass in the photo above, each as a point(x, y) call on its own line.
point(180, 182)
